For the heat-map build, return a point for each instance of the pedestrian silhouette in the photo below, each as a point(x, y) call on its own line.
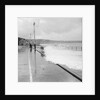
point(30, 47)
point(35, 47)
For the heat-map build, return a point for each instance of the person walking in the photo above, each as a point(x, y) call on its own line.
point(34, 46)
point(30, 47)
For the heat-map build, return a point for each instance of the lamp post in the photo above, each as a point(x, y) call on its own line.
point(34, 48)
point(29, 58)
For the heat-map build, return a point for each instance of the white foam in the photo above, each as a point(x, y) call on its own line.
point(72, 59)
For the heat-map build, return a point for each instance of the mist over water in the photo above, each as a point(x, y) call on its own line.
point(63, 56)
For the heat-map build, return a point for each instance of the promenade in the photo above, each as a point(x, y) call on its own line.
point(45, 70)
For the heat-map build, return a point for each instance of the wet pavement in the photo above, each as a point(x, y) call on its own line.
point(45, 70)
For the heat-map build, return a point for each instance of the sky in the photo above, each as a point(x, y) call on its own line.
point(53, 28)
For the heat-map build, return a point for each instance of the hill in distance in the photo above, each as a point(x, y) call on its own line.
point(42, 41)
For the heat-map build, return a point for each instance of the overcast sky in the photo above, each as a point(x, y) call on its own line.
point(51, 28)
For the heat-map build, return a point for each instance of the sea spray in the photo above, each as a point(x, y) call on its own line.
point(72, 59)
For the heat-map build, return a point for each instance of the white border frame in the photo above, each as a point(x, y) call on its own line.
point(12, 87)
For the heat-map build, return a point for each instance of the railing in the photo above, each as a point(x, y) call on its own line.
point(74, 48)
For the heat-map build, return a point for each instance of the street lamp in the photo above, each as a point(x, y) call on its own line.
point(34, 48)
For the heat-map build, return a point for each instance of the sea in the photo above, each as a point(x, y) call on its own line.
point(68, 54)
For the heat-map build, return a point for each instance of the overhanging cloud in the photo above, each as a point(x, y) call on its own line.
point(52, 28)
